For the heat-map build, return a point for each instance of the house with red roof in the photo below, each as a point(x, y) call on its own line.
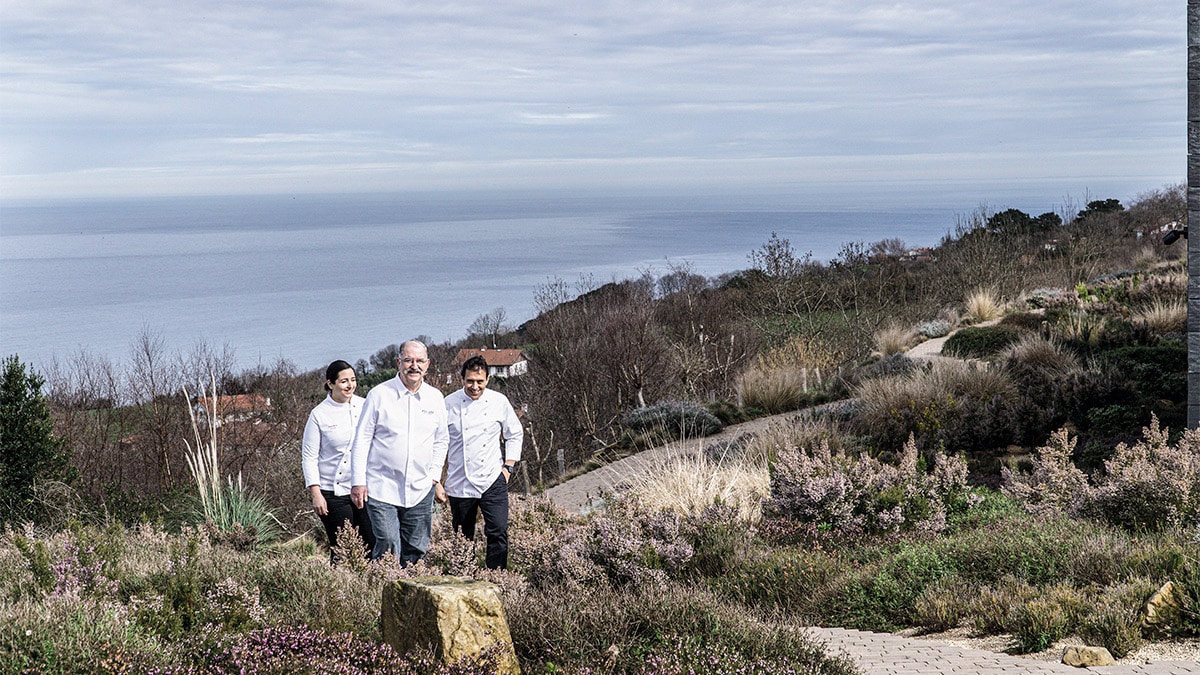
point(232, 408)
point(501, 362)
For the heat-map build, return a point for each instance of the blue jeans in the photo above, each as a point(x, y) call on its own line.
point(402, 531)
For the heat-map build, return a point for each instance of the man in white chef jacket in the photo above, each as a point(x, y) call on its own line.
point(477, 467)
point(397, 457)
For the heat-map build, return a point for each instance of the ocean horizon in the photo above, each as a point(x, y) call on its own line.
point(317, 277)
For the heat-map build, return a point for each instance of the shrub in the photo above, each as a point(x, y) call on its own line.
point(939, 405)
point(854, 496)
point(1158, 372)
point(991, 607)
point(1056, 485)
point(1036, 625)
point(1116, 622)
point(943, 605)
point(934, 329)
point(642, 630)
point(1046, 298)
point(671, 420)
point(1029, 321)
point(981, 342)
point(283, 649)
point(1149, 485)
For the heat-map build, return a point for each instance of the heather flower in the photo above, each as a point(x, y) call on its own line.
point(852, 496)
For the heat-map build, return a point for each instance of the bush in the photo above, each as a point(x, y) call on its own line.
point(941, 406)
point(1157, 372)
point(981, 342)
point(636, 630)
point(1037, 625)
point(1149, 485)
point(934, 329)
point(855, 496)
point(671, 420)
point(1116, 622)
point(1029, 321)
point(1152, 484)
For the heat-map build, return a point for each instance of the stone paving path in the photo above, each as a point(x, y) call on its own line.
point(887, 654)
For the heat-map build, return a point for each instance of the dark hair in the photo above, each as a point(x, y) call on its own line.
point(332, 371)
point(474, 363)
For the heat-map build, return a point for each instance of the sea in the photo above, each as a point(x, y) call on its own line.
point(313, 278)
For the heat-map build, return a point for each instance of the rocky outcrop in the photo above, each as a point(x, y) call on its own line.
point(1162, 609)
point(453, 616)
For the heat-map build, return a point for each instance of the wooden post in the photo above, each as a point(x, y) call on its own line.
point(1193, 206)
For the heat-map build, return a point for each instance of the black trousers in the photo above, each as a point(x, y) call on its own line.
point(494, 505)
point(342, 510)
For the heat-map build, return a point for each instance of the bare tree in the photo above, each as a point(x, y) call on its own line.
point(155, 386)
point(489, 326)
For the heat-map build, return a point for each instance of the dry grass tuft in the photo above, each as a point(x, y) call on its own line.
point(983, 304)
point(894, 340)
point(776, 390)
point(1036, 352)
point(1164, 316)
point(688, 484)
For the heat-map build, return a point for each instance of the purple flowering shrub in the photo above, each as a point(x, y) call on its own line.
point(856, 496)
point(300, 649)
point(622, 545)
point(1152, 484)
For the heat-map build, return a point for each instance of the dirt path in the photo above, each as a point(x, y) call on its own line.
point(582, 493)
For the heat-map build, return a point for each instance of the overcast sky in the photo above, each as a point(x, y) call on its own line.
point(130, 98)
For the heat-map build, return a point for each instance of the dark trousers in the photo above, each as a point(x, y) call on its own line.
point(342, 511)
point(494, 505)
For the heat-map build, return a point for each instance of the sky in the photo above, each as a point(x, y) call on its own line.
point(116, 98)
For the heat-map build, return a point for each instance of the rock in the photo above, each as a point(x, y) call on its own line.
point(1086, 657)
point(453, 616)
point(1162, 609)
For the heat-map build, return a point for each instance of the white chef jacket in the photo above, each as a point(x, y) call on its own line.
point(400, 444)
point(476, 426)
point(325, 450)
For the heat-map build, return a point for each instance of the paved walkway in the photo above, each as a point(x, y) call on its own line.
point(887, 654)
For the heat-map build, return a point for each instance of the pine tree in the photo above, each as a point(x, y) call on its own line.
point(29, 450)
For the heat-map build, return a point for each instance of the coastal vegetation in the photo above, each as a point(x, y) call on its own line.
point(1035, 481)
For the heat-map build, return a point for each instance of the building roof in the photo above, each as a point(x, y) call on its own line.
point(497, 358)
point(236, 403)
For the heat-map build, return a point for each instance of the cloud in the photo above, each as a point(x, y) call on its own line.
point(248, 96)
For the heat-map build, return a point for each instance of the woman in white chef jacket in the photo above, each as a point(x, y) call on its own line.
point(325, 455)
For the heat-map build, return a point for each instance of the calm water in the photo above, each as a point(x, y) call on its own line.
point(316, 278)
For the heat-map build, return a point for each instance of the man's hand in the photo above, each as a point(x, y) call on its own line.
point(507, 471)
point(319, 506)
point(358, 496)
point(439, 493)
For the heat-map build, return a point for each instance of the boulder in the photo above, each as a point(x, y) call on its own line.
point(1086, 657)
point(1162, 609)
point(453, 616)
